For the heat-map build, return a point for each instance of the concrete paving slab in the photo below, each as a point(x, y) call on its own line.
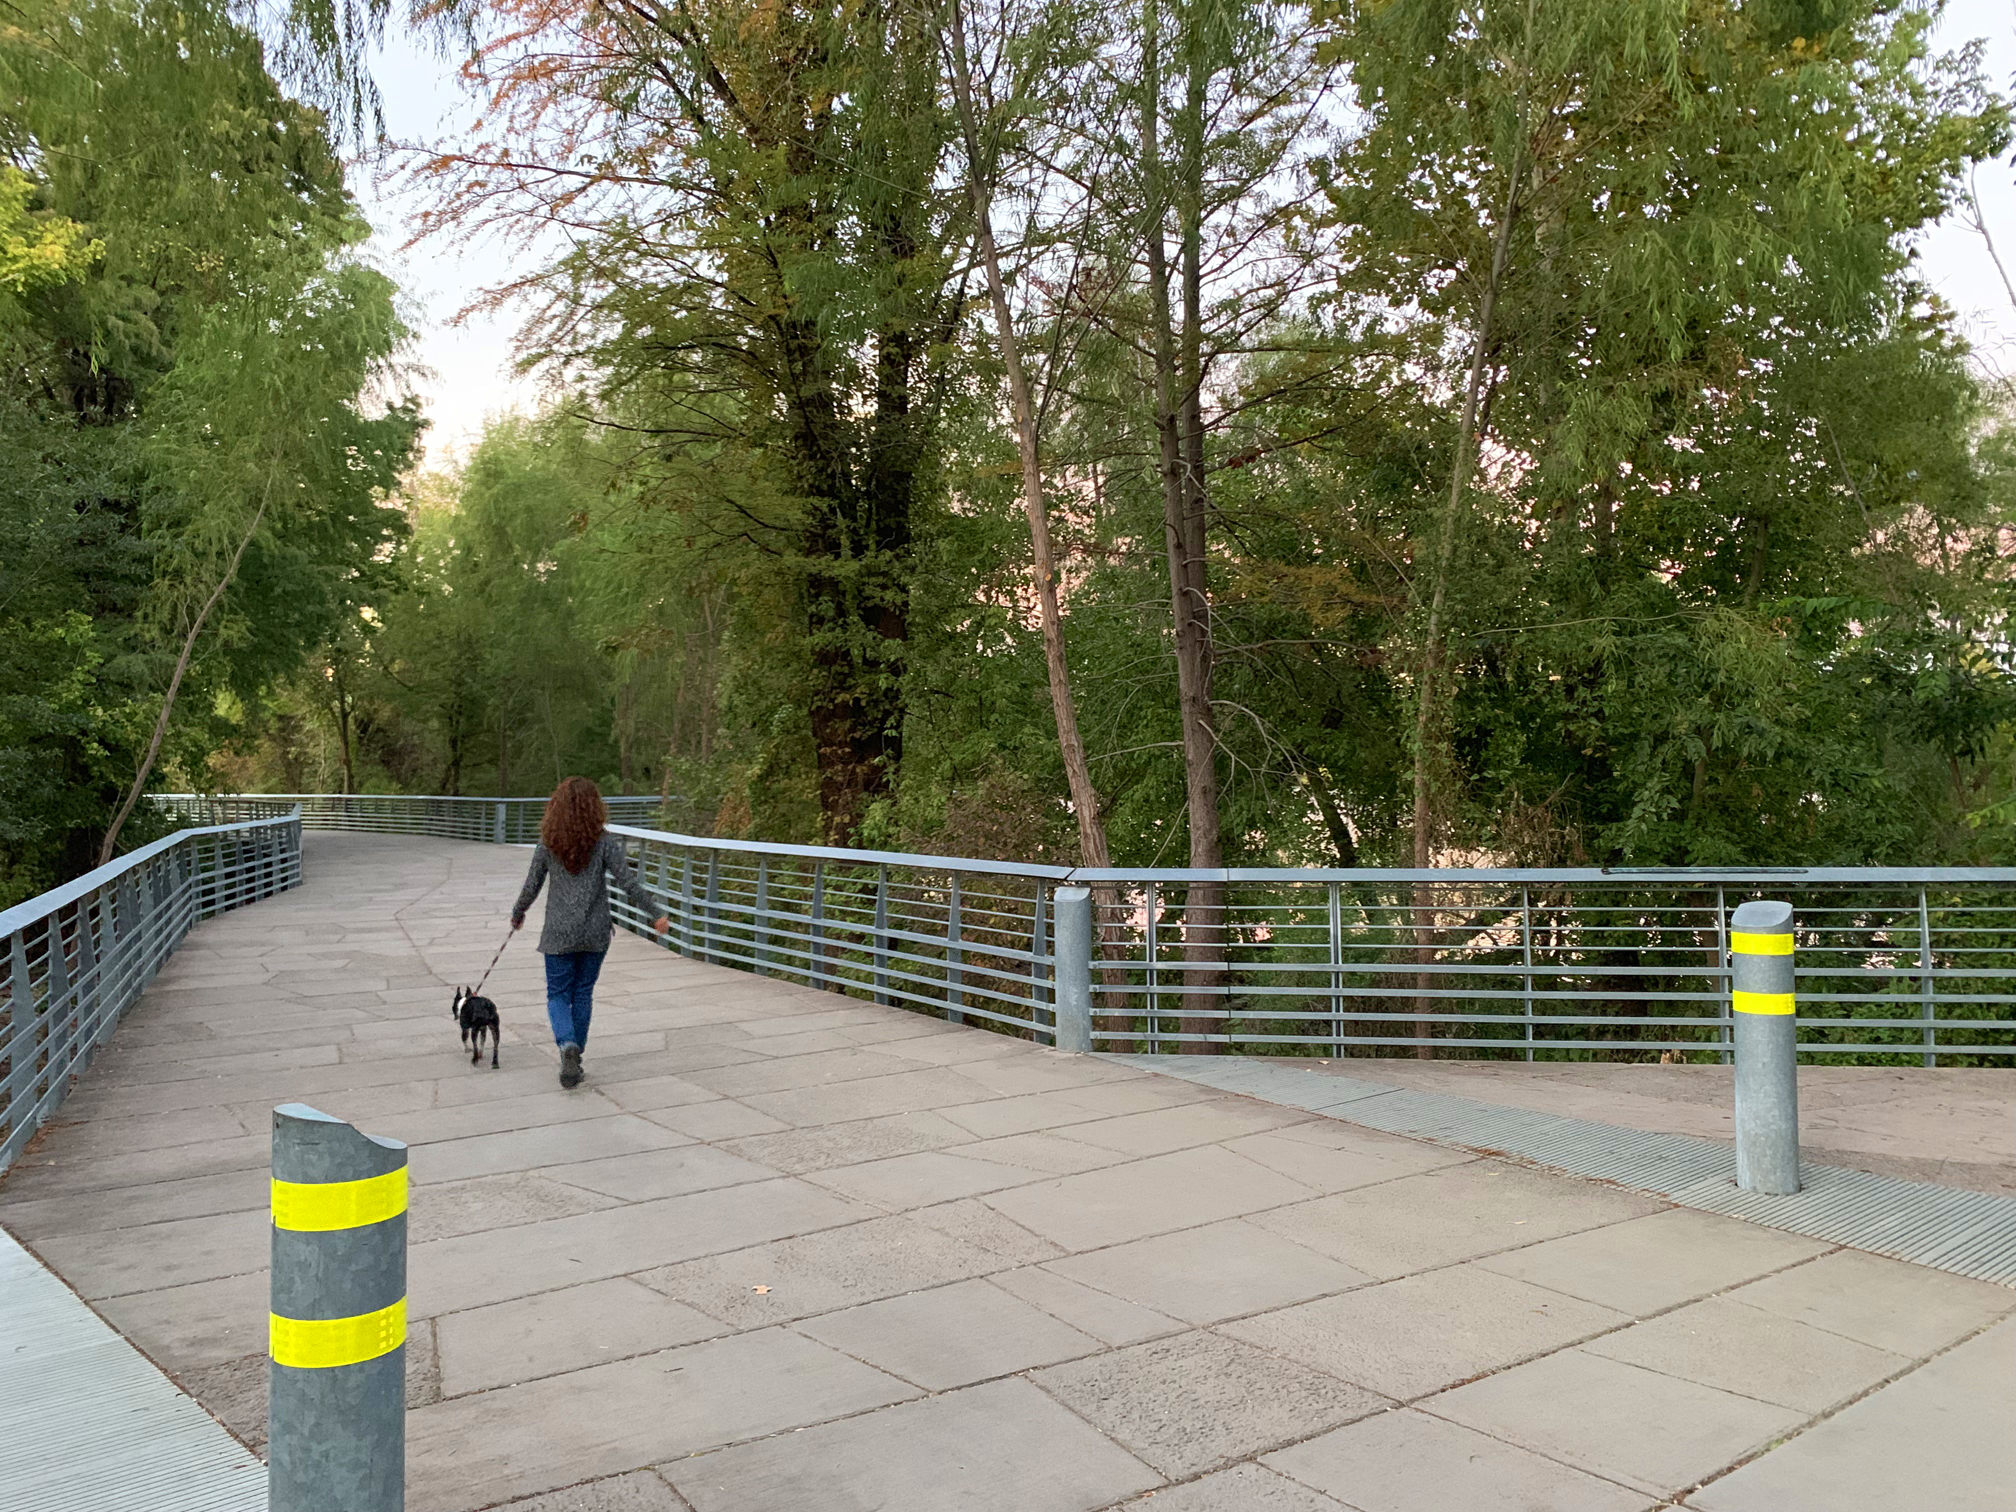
point(1243, 1488)
point(956, 1049)
point(187, 1327)
point(1181, 1128)
point(662, 1173)
point(1656, 1262)
point(1052, 1154)
point(1408, 1461)
point(43, 1175)
point(1197, 1401)
point(1036, 1111)
point(92, 1212)
point(652, 1092)
point(1334, 1157)
point(771, 1074)
point(971, 1221)
point(473, 1451)
point(440, 1124)
point(618, 1241)
point(496, 1202)
point(550, 1145)
point(1407, 1338)
point(1924, 1124)
point(683, 1059)
point(1654, 1433)
point(171, 1253)
point(721, 1119)
point(1107, 1318)
point(954, 1336)
point(869, 1097)
point(1202, 1275)
point(639, 1491)
point(1153, 1196)
point(1015, 1076)
point(1457, 1213)
point(86, 1139)
point(1903, 1308)
point(930, 1176)
point(1722, 1343)
point(559, 1331)
point(1003, 1447)
point(821, 1272)
point(1939, 1438)
point(801, 1151)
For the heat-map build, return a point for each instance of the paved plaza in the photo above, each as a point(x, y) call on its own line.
point(786, 1250)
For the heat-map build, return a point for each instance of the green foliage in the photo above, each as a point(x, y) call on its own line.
point(1726, 584)
point(185, 371)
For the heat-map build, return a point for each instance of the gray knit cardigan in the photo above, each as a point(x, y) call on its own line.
point(577, 909)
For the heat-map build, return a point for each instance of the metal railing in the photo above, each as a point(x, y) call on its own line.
point(1556, 965)
point(506, 821)
point(78, 956)
point(1895, 965)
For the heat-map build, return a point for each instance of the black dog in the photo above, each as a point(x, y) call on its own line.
point(476, 1015)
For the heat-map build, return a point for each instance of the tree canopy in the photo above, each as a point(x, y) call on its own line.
point(1194, 431)
point(197, 457)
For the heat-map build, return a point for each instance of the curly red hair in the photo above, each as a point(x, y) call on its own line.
point(575, 815)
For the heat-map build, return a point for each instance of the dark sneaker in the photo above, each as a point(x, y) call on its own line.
point(570, 1066)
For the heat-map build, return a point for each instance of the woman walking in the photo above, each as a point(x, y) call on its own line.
point(581, 858)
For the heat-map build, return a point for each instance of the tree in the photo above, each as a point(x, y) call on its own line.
point(766, 275)
point(198, 376)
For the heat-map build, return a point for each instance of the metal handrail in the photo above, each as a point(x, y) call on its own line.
point(1895, 963)
point(79, 955)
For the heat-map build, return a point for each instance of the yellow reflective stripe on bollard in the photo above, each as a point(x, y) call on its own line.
point(1762, 1002)
point(315, 1207)
point(1761, 944)
point(324, 1344)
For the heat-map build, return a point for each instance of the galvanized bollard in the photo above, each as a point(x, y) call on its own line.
point(1767, 1048)
point(1072, 956)
point(336, 1402)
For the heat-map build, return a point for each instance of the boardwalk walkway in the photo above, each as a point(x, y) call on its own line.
point(785, 1250)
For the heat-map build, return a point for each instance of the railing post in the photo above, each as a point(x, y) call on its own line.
point(817, 932)
point(1725, 1028)
point(955, 958)
point(501, 832)
point(710, 927)
point(1336, 969)
point(881, 934)
point(1762, 995)
point(1037, 950)
point(762, 941)
point(1072, 979)
point(686, 907)
point(1927, 1006)
point(1526, 959)
point(1151, 943)
point(336, 1390)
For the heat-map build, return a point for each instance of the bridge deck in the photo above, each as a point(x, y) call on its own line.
point(789, 1250)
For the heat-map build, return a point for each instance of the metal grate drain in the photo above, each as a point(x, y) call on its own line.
point(87, 1423)
point(1947, 1228)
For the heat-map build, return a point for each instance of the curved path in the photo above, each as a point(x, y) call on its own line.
point(787, 1250)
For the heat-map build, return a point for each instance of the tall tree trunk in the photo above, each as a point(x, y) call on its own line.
point(1179, 431)
point(110, 845)
point(1092, 846)
point(1426, 742)
point(343, 709)
point(626, 709)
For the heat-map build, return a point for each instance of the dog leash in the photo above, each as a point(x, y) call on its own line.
point(477, 991)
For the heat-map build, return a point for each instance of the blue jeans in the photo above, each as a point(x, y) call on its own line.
point(570, 994)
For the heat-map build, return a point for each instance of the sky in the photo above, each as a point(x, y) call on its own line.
point(467, 374)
